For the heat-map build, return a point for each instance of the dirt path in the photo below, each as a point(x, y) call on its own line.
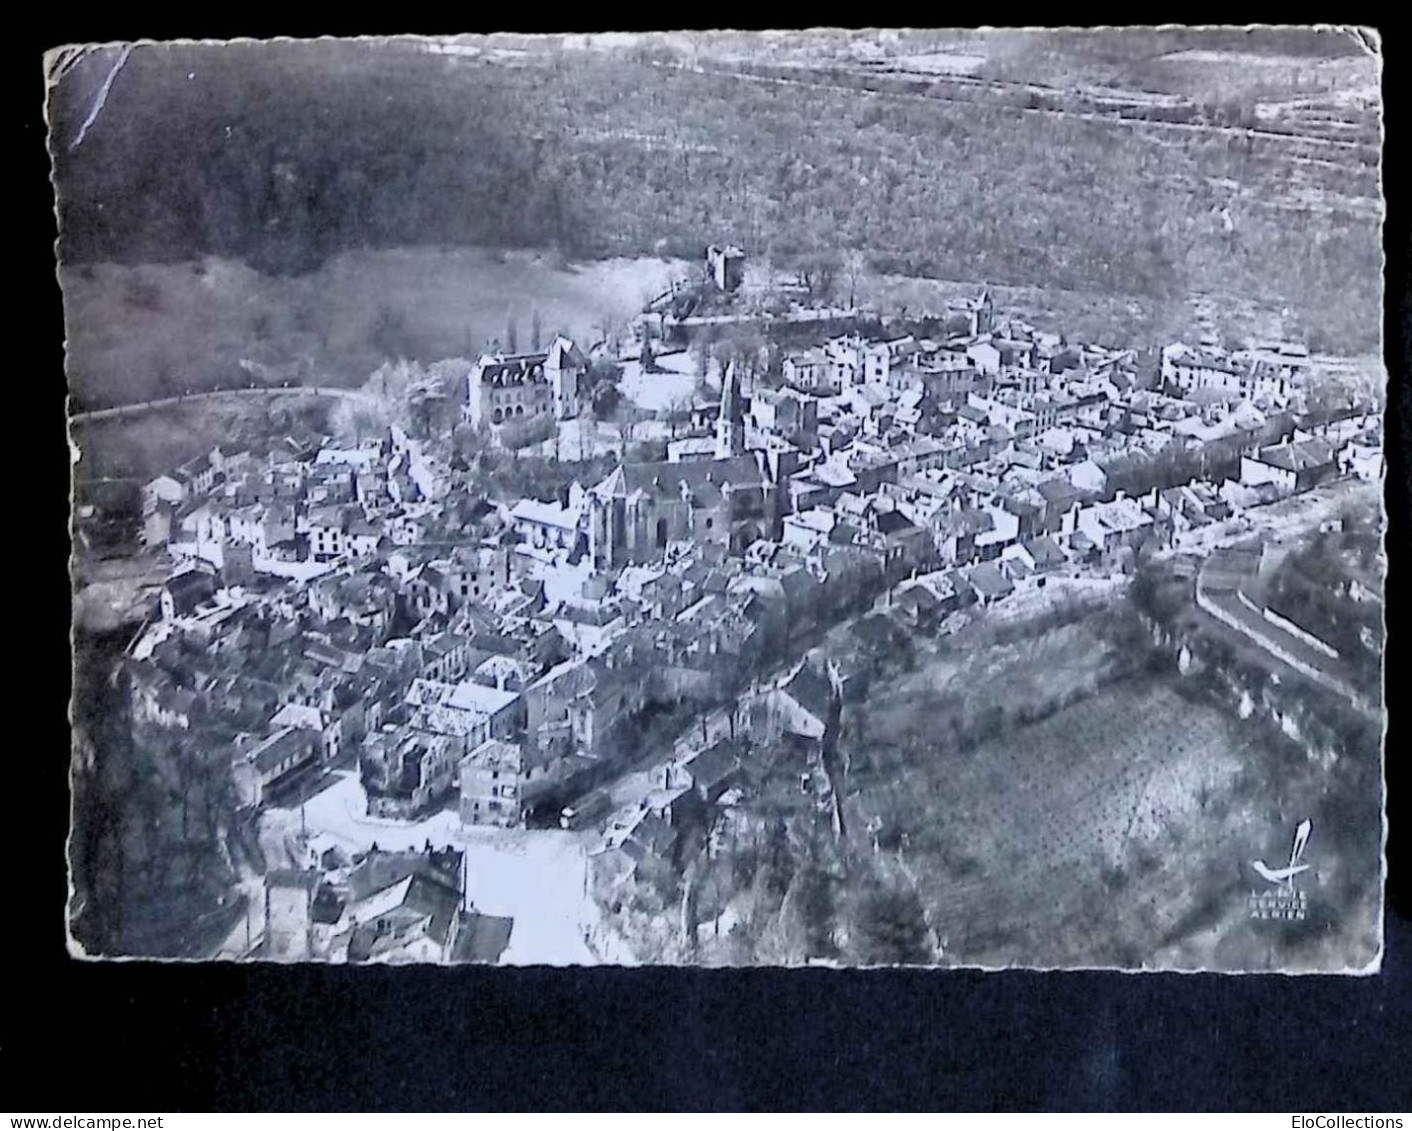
point(1332, 146)
point(215, 394)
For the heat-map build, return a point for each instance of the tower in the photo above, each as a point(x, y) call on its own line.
point(985, 313)
point(730, 425)
point(564, 365)
point(602, 531)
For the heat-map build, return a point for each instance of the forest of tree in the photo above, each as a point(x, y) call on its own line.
point(150, 812)
point(1312, 587)
point(283, 155)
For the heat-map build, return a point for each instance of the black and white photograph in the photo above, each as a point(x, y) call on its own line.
point(843, 498)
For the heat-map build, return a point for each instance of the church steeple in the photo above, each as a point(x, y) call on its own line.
point(730, 425)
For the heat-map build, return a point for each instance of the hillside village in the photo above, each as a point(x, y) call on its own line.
point(363, 618)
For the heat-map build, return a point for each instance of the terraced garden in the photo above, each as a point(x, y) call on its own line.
point(1055, 811)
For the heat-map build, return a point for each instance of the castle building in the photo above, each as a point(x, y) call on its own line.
point(726, 266)
point(524, 387)
point(979, 313)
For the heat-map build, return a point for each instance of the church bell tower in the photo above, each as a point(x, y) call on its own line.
point(730, 426)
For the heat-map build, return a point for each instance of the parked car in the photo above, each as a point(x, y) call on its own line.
point(586, 810)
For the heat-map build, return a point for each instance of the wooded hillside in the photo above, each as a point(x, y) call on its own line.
point(282, 155)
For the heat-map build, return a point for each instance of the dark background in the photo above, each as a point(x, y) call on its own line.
point(138, 1036)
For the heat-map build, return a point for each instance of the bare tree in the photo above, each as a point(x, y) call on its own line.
point(819, 273)
point(164, 370)
point(388, 333)
point(690, 903)
point(678, 412)
point(855, 267)
point(605, 325)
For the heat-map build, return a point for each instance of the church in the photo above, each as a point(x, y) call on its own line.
point(730, 501)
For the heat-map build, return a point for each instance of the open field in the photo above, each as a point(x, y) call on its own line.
point(1169, 62)
point(139, 447)
point(670, 386)
point(1271, 72)
point(1114, 827)
point(1110, 318)
point(138, 331)
point(1050, 814)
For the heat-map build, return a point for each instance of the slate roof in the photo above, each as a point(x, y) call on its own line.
point(1058, 492)
point(189, 589)
point(812, 690)
point(987, 580)
point(919, 598)
point(893, 522)
point(714, 765)
point(482, 938)
point(1299, 456)
point(283, 744)
point(425, 901)
point(663, 478)
point(656, 836)
point(380, 870)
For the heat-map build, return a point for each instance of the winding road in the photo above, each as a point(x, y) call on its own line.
point(133, 409)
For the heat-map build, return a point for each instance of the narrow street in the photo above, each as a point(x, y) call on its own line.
point(537, 877)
